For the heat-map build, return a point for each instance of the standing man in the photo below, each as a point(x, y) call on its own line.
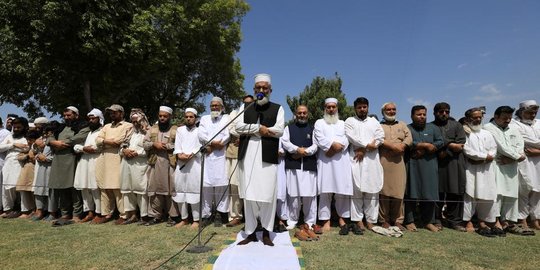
point(529, 169)
point(188, 180)
point(62, 193)
point(397, 138)
point(301, 171)
point(236, 204)
point(422, 168)
point(111, 137)
point(451, 168)
point(333, 167)
point(260, 128)
point(481, 188)
point(159, 144)
point(510, 151)
point(215, 186)
point(85, 173)
point(365, 135)
point(4, 133)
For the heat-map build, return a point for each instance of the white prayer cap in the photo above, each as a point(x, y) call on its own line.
point(218, 99)
point(263, 77)
point(73, 109)
point(528, 104)
point(31, 125)
point(191, 110)
point(41, 120)
point(115, 108)
point(330, 100)
point(97, 113)
point(166, 109)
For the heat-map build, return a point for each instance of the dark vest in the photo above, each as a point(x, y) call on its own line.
point(301, 136)
point(267, 116)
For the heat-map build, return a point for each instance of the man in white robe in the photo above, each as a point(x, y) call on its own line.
point(301, 171)
point(187, 175)
point(4, 133)
point(480, 150)
point(510, 151)
point(333, 167)
point(529, 169)
point(85, 175)
point(216, 182)
point(133, 180)
point(365, 135)
point(260, 127)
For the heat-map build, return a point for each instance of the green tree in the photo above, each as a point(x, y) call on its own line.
point(314, 95)
point(138, 53)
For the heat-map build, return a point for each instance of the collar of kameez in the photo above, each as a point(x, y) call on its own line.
point(499, 127)
point(389, 123)
point(117, 124)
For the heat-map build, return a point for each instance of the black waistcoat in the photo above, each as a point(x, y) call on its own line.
point(267, 116)
point(301, 136)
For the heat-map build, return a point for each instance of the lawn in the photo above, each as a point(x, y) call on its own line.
point(37, 245)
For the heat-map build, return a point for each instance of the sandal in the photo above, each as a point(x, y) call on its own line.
point(520, 230)
point(486, 231)
point(498, 232)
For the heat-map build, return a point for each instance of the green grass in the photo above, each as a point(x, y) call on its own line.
point(37, 245)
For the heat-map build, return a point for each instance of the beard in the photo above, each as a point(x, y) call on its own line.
point(301, 121)
point(475, 128)
point(527, 122)
point(263, 101)
point(215, 114)
point(389, 118)
point(94, 126)
point(164, 127)
point(19, 134)
point(331, 119)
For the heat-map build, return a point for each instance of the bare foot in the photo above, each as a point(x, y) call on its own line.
point(411, 227)
point(432, 227)
point(195, 225)
point(181, 224)
point(361, 225)
point(24, 216)
point(369, 226)
point(326, 226)
point(469, 227)
point(536, 224)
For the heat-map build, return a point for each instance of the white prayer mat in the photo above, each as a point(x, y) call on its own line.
point(283, 255)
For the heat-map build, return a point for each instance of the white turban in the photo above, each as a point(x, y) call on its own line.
point(191, 110)
point(73, 109)
point(165, 109)
point(97, 113)
point(218, 99)
point(263, 77)
point(41, 120)
point(330, 100)
point(528, 104)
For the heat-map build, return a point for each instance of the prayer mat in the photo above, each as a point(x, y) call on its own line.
point(285, 254)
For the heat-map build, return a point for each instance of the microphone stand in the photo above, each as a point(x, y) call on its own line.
point(200, 247)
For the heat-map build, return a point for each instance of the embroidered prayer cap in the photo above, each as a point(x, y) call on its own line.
point(191, 110)
point(218, 99)
point(330, 100)
point(115, 108)
point(263, 77)
point(73, 109)
point(528, 105)
point(166, 109)
point(97, 113)
point(41, 120)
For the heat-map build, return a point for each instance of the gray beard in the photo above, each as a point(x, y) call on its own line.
point(527, 122)
point(389, 118)
point(331, 119)
point(215, 114)
point(476, 128)
point(301, 121)
point(263, 101)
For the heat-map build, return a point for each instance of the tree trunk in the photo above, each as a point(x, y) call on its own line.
point(87, 95)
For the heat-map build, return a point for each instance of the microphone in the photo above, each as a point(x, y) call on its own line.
point(260, 96)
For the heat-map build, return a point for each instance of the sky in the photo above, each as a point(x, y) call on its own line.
point(466, 53)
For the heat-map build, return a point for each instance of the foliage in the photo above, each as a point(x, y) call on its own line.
point(314, 95)
point(137, 53)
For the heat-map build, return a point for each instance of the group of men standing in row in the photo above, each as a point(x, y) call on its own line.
point(256, 169)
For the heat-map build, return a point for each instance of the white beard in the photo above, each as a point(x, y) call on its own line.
point(215, 114)
point(301, 121)
point(476, 128)
point(527, 122)
point(263, 101)
point(331, 119)
point(389, 118)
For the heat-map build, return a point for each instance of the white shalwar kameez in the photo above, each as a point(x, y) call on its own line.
point(133, 178)
point(215, 182)
point(282, 209)
point(333, 173)
point(11, 170)
point(301, 186)
point(187, 181)
point(85, 174)
point(529, 171)
point(258, 179)
point(367, 174)
point(481, 186)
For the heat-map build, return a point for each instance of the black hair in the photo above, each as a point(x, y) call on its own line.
point(441, 105)
point(361, 100)
point(504, 109)
point(417, 107)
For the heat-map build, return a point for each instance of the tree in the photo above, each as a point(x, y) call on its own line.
point(137, 53)
point(314, 95)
